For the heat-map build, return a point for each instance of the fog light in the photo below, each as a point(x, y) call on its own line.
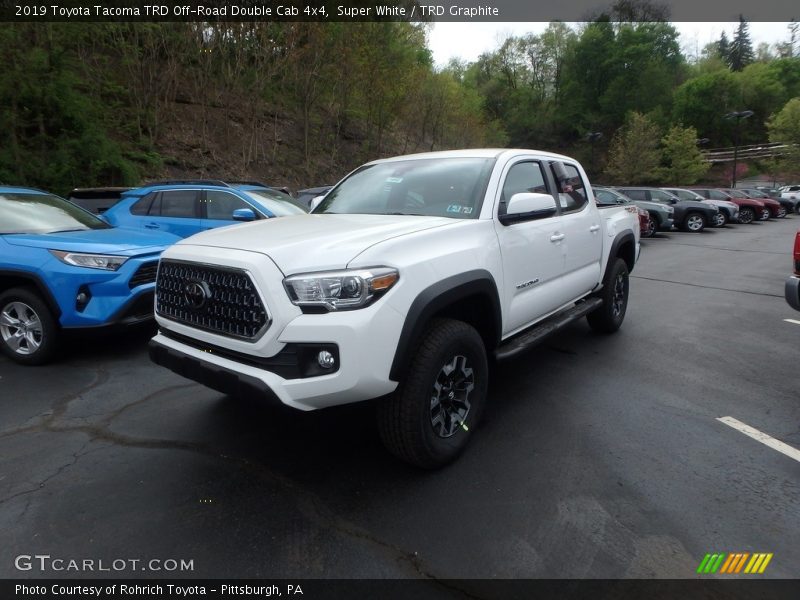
point(325, 359)
point(82, 298)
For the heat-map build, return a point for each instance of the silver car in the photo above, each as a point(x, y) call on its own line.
point(728, 211)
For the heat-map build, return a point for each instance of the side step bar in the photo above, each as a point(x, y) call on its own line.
point(533, 336)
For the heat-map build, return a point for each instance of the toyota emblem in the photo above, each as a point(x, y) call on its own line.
point(196, 294)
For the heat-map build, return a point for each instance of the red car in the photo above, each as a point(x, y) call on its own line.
point(776, 209)
point(749, 209)
point(645, 226)
point(793, 283)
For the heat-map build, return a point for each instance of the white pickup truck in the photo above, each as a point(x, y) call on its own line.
point(410, 275)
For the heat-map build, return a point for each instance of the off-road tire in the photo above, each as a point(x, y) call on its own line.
point(406, 418)
point(616, 287)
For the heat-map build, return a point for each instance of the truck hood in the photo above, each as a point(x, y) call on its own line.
point(116, 240)
point(305, 243)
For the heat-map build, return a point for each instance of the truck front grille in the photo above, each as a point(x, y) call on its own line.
point(218, 299)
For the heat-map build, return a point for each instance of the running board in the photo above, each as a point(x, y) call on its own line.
point(530, 338)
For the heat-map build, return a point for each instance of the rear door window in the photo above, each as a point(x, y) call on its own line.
point(179, 203)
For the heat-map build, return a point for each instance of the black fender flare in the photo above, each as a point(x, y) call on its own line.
point(436, 297)
point(622, 238)
point(36, 282)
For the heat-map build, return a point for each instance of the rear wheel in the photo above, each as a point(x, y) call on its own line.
point(608, 317)
point(27, 328)
point(746, 215)
point(429, 419)
point(694, 222)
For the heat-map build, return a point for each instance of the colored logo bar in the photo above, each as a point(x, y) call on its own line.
point(734, 563)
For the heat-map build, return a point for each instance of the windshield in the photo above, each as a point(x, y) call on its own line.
point(737, 194)
point(43, 213)
point(278, 203)
point(440, 187)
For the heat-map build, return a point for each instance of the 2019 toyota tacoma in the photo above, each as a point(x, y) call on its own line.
point(402, 284)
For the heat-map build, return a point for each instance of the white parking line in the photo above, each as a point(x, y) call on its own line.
point(761, 437)
point(795, 321)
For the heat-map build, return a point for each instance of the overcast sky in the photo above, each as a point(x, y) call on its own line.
point(469, 40)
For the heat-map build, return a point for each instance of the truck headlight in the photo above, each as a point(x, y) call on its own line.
point(340, 290)
point(106, 262)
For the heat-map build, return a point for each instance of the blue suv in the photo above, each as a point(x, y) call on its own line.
point(61, 267)
point(188, 207)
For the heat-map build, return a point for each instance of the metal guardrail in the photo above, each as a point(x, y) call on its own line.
point(770, 150)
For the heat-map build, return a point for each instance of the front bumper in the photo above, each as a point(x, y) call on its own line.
point(792, 292)
point(363, 342)
point(115, 297)
point(666, 224)
point(220, 378)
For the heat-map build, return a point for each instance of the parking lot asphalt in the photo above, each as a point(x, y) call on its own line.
point(599, 456)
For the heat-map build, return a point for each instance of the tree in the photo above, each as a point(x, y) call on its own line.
point(634, 155)
point(683, 163)
point(702, 102)
point(723, 47)
point(784, 126)
point(787, 49)
point(741, 51)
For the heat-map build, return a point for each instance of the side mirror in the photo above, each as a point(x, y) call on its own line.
point(244, 214)
point(527, 206)
point(315, 202)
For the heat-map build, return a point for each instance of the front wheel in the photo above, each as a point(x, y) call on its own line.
point(765, 214)
point(781, 212)
point(652, 226)
point(27, 328)
point(694, 222)
point(721, 219)
point(746, 215)
point(429, 419)
point(609, 316)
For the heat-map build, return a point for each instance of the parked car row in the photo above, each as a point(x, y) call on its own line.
point(694, 209)
point(63, 265)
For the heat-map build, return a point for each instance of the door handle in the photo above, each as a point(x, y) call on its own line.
point(557, 237)
point(594, 228)
point(153, 226)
